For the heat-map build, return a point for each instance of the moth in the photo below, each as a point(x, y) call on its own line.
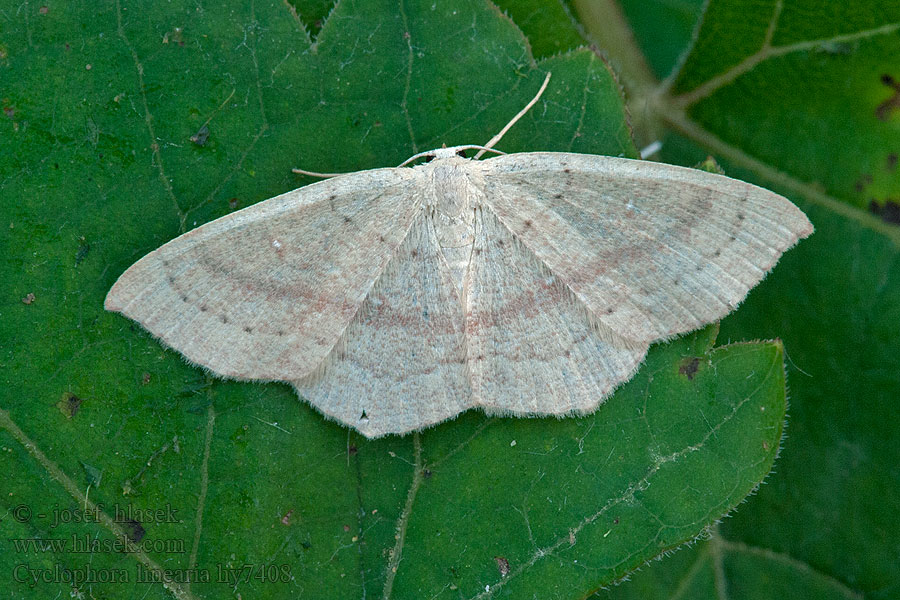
point(524, 284)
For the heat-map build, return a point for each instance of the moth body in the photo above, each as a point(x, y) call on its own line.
point(526, 284)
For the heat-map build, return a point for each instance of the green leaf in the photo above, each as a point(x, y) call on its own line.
point(803, 120)
point(127, 124)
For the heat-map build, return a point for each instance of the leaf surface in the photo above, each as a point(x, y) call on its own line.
point(127, 124)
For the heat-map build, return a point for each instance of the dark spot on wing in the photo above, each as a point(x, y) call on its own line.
point(740, 217)
point(171, 279)
point(527, 223)
point(280, 333)
point(717, 253)
point(183, 298)
point(203, 308)
point(248, 329)
point(414, 253)
point(347, 219)
point(224, 318)
point(689, 367)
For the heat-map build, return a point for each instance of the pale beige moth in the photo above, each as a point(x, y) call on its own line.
point(524, 284)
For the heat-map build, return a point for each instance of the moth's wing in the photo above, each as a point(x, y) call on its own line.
point(652, 249)
point(265, 293)
point(400, 365)
point(533, 346)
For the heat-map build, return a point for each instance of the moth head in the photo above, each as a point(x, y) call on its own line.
point(446, 152)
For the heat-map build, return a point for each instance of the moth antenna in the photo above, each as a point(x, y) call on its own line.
point(315, 173)
point(521, 114)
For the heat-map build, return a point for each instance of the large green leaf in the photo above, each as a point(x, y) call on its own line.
point(127, 124)
point(809, 114)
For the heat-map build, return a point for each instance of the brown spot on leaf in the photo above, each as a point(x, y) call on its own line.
point(28, 299)
point(233, 203)
point(861, 183)
point(426, 473)
point(884, 110)
point(286, 519)
point(502, 565)
point(133, 530)
point(145, 378)
point(689, 367)
point(889, 213)
point(352, 450)
point(44, 10)
point(69, 404)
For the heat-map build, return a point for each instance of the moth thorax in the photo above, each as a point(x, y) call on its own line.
point(452, 188)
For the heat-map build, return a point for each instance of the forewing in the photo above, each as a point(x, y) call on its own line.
point(266, 292)
point(652, 249)
point(400, 365)
point(533, 346)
